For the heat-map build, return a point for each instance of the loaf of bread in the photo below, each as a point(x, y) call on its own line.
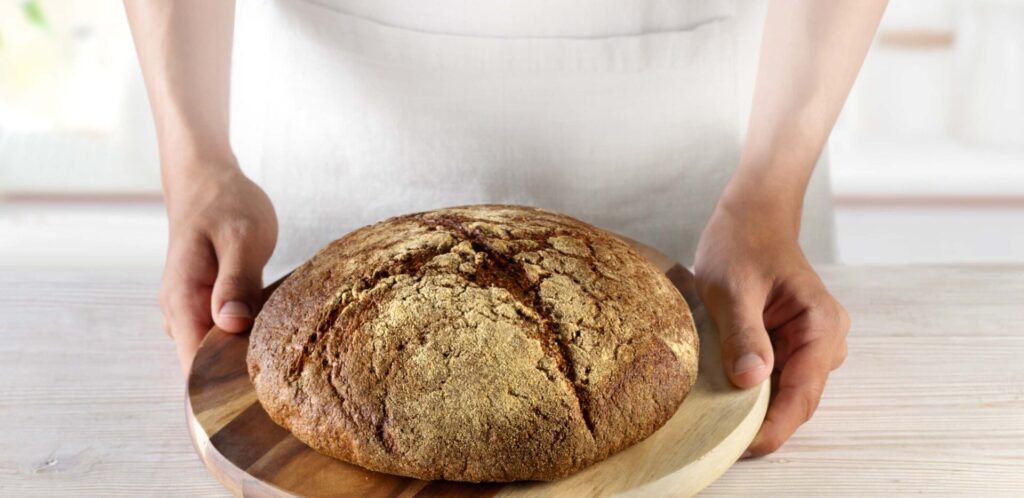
point(477, 343)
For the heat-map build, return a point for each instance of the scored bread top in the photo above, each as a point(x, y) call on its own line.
point(477, 343)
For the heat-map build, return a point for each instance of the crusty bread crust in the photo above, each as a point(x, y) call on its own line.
point(476, 343)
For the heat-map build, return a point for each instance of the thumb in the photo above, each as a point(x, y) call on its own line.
point(237, 290)
point(746, 349)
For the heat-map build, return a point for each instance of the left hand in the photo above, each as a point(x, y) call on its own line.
point(773, 312)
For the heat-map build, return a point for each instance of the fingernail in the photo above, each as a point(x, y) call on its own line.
point(746, 454)
point(747, 362)
point(235, 309)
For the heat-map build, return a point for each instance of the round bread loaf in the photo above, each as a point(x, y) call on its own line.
point(477, 343)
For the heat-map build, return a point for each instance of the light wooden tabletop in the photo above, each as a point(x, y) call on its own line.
point(930, 401)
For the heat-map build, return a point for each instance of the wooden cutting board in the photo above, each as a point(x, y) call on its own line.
point(253, 456)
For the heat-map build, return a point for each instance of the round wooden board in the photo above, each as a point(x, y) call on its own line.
point(253, 456)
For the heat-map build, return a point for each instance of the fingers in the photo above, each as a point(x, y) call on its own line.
point(210, 281)
point(801, 384)
point(840, 355)
point(801, 310)
point(190, 326)
point(237, 290)
point(185, 294)
point(746, 348)
point(809, 332)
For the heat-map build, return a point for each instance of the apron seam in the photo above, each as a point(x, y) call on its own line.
point(386, 25)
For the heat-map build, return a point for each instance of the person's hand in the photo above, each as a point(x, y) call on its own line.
point(772, 311)
point(222, 232)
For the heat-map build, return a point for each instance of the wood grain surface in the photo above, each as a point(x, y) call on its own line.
point(253, 456)
point(930, 401)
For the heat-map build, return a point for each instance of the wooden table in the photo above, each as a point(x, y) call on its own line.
point(930, 401)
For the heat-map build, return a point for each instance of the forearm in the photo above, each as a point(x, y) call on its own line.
point(184, 49)
point(811, 53)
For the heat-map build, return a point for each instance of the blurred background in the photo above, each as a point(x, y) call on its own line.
point(927, 157)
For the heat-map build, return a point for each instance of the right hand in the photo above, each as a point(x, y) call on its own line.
point(222, 232)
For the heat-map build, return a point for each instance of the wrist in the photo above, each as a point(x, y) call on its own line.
point(186, 180)
point(767, 206)
point(188, 165)
point(188, 148)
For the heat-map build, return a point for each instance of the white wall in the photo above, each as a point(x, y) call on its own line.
point(928, 155)
point(73, 111)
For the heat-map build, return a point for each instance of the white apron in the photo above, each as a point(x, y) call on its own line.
point(627, 114)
